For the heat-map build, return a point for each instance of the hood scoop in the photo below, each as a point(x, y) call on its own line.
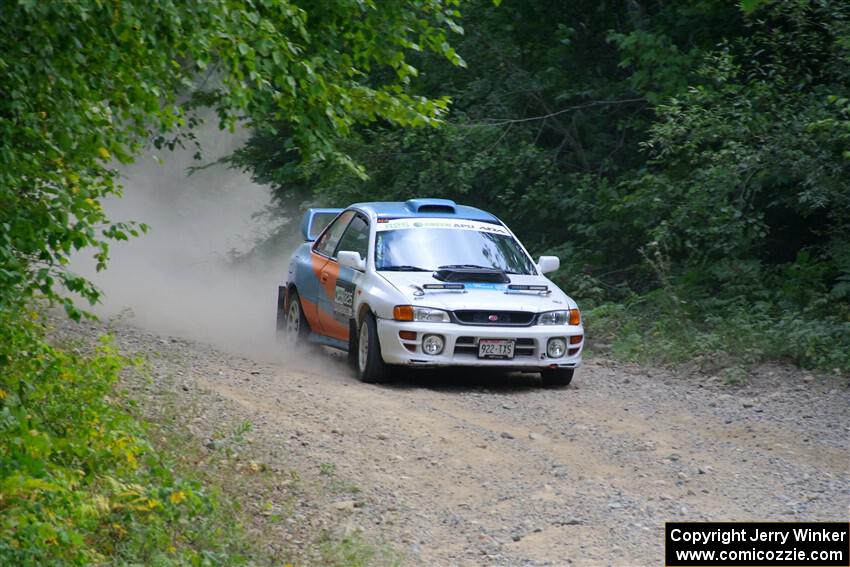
point(471, 275)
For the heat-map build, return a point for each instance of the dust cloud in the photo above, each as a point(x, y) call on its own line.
point(179, 279)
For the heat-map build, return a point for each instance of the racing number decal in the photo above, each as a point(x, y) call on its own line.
point(344, 301)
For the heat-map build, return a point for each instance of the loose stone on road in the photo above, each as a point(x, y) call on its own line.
point(459, 469)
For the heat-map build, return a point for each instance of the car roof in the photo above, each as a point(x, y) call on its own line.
point(412, 208)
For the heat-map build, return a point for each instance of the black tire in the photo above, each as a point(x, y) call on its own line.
point(371, 367)
point(557, 377)
point(296, 328)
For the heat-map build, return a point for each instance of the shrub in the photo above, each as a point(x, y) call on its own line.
point(658, 327)
point(79, 482)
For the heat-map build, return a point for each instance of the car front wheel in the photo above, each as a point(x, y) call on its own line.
point(557, 377)
point(370, 365)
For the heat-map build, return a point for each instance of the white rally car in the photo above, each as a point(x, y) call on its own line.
point(427, 283)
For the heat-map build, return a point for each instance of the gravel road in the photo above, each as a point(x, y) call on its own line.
point(465, 469)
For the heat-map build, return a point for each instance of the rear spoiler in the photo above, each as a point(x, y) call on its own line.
point(315, 221)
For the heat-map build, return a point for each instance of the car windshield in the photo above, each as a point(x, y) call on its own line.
point(430, 244)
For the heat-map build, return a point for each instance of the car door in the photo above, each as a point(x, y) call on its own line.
point(323, 276)
point(341, 302)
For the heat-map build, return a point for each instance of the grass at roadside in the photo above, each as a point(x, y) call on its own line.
point(718, 337)
point(80, 480)
point(94, 472)
point(353, 551)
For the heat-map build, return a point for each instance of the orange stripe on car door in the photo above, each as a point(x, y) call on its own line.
point(328, 278)
point(311, 311)
point(327, 272)
point(317, 262)
point(333, 328)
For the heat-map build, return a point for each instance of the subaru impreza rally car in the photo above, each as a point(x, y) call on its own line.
point(427, 283)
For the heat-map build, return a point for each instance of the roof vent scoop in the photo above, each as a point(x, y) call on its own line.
point(445, 206)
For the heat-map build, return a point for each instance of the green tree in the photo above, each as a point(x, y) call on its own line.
point(694, 150)
point(87, 83)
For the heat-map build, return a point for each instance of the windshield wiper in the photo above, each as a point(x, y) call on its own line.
point(403, 268)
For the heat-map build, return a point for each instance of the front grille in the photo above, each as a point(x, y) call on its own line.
point(469, 345)
point(502, 318)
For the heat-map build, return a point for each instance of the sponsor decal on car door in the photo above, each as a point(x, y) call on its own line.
point(345, 279)
point(325, 269)
point(329, 324)
point(344, 300)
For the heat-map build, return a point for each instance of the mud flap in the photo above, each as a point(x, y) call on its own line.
point(280, 322)
point(352, 343)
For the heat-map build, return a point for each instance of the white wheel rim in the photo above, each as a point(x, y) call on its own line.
point(363, 347)
point(293, 323)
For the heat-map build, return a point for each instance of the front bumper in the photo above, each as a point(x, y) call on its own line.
point(461, 345)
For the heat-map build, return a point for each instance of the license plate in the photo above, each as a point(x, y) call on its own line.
point(495, 348)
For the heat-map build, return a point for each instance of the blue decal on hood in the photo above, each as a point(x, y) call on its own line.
point(485, 285)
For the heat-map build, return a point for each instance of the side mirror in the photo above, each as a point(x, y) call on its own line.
point(547, 264)
point(351, 259)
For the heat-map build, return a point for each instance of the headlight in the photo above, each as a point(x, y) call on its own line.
point(564, 317)
point(423, 314)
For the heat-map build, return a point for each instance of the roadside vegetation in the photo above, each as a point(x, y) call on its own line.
point(84, 87)
point(688, 161)
point(80, 481)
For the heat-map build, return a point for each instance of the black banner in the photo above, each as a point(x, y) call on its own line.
point(757, 544)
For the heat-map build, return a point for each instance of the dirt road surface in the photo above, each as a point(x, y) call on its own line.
point(465, 469)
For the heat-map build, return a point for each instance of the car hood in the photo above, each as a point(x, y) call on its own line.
point(480, 295)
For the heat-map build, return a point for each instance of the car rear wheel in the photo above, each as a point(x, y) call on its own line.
point(557, 377)
point(296, 327)
point(370, 365)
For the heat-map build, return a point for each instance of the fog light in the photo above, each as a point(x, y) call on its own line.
point(432, 344)
point(556, 348)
